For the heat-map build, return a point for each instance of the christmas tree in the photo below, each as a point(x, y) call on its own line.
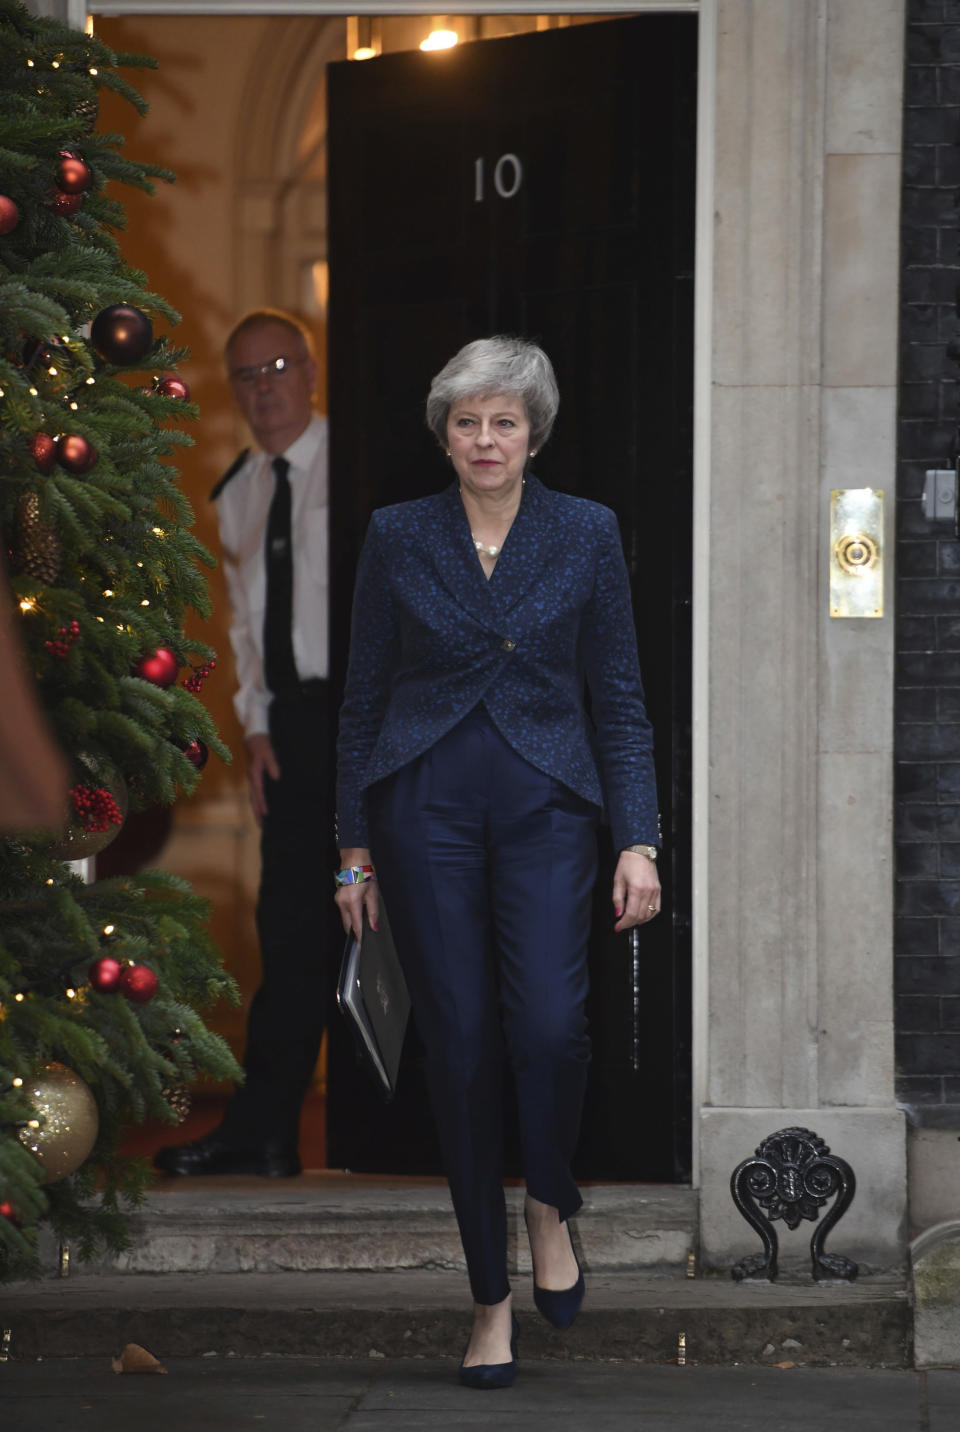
point(100, 981)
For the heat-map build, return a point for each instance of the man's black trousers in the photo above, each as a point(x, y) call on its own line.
point(295, 923)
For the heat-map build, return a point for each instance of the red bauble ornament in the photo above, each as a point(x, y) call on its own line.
point(173, 387)
point(43, 450)
point(75, 453)
point(9, 215)
point(138, 983)
point(66, 204)
point(8, 1212)
point(122, 334)
point(73, 176)
point(105, 974)
point(160, 667)
point(196, 753)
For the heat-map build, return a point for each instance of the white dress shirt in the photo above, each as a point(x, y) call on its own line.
point(242, 509)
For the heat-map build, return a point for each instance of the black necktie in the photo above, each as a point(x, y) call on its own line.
point(279, 666)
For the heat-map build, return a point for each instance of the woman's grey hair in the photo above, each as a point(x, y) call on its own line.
point(490, 366)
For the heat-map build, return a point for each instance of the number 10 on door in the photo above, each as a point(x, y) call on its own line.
point(507, 177)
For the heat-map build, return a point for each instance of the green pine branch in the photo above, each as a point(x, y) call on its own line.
point(104, 571)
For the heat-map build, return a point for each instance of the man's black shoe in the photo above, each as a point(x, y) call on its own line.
point(212, 1155)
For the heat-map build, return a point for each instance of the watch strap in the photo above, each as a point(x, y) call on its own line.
point(354, 875)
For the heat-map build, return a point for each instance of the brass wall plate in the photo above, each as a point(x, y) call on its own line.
point(856, 552)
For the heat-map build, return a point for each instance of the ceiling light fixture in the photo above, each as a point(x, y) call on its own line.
point(441, 36)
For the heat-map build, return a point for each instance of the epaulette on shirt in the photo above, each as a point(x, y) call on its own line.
point(231, 471)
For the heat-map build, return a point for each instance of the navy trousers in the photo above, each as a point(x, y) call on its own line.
point(486, 867)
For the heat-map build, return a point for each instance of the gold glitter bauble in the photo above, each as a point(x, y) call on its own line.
point(37, 551)
point(68, 1117)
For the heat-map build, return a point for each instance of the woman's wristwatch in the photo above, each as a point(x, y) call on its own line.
point(650, 851)
point(354, 875)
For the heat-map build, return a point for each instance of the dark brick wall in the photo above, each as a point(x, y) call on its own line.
point(927, 711)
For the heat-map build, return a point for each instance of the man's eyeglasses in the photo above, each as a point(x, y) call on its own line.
point(276, 368)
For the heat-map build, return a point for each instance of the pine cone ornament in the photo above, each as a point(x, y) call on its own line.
point(178, 1097)
point(37, 550)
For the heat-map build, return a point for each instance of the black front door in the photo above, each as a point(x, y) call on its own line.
point(542, 185)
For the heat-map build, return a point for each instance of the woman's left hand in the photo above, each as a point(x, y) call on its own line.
point(636, 890)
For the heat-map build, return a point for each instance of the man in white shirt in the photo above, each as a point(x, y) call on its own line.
point(273, 515)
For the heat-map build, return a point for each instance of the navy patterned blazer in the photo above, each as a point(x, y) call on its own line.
point(432, 637)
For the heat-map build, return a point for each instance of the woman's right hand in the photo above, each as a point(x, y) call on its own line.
point(352, 900)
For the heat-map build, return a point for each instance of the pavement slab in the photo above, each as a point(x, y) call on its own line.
point(383, 1395)
point(943, 1400)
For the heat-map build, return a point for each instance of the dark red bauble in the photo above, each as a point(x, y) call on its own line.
point(161, 667)
point(66, 204)
point(197, 753)
point(138, 983)
point(8, 1212)
point(9, 215)
point(122, 333)
point(76, 453)
point(173, 387)
point(105, 974)
point(43, 450)
point(73, 176)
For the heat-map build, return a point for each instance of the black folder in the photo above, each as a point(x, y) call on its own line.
point(372, 993)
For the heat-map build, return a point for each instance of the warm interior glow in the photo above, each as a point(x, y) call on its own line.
point(320, 273)
point(363, 37)
point(440, 40)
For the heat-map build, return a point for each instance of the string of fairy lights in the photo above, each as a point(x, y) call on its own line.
point(109, 973)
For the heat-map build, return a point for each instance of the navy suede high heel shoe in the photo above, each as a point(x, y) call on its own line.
point(561, 1305)
point(486, 1375)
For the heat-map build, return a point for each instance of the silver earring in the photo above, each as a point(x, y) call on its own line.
point(448, 452)
point(533, 452)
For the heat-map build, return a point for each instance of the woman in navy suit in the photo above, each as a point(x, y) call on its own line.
point(471, 780)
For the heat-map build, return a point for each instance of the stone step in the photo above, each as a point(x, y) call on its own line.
point(426, 1313)
point(334, 1221)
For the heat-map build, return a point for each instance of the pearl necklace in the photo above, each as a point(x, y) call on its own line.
point(489, 549)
